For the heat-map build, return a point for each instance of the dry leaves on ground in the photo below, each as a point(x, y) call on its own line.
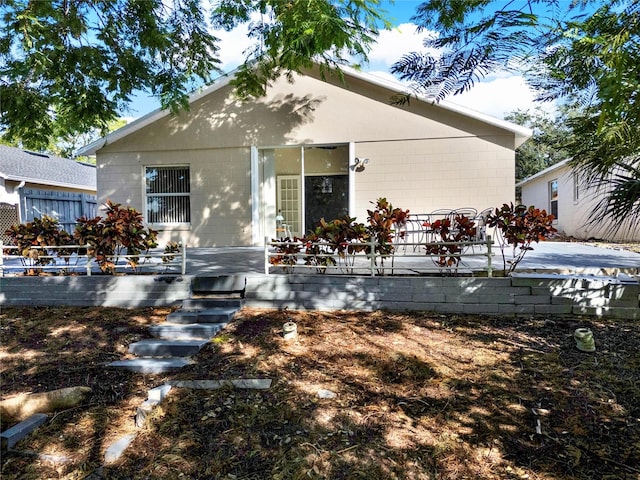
point(417, 396)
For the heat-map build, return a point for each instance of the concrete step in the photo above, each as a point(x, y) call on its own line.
point(208, 303)
point(151, 365)
point(209, 315)
point(193, 331)
point(166, 348)
point(13, 435)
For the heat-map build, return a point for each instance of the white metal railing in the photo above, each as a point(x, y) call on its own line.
point(369, 260)
point(74, 262)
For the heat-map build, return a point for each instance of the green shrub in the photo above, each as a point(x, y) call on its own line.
point(41, 232)
point(518, 227)
point(344, 237)
point(121, 232)
point(445, 250)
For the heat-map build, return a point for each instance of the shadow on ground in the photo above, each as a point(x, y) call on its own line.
point(420, 396)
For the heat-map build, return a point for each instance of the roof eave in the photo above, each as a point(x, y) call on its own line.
point(41, 181)
point(541, 173)
point(521, 133)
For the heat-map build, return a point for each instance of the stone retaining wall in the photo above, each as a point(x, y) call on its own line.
point(520, 295)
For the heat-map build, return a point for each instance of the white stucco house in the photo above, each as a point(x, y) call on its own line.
point(220, 173)
point(559, 190)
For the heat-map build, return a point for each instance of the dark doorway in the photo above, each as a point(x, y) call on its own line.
point(326, 196)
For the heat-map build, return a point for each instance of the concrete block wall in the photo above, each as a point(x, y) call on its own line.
point(519, 295)
point(600, 296)
point(130, 291)
point(526, 295)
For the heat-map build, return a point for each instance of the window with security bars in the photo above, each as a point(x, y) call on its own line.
point(553, 197)
point(168, 195)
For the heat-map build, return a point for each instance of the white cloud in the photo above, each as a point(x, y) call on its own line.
point(500, 93)
point(233, 45)
point(392, 44)
point(495, 97)
point(500, 96)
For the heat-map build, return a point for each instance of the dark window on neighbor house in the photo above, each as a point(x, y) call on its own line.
point(553, 197)
point(168, 195)
point(576, 188)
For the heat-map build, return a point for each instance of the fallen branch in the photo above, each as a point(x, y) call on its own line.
point(318, 451)
point(344, 450)
point(23, 406)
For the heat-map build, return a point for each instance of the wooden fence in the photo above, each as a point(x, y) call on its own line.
point(66, 207)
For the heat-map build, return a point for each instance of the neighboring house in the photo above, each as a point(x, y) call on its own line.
point(559, 191)
point(36, 184)
point(222, 172)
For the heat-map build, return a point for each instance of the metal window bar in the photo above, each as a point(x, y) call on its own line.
point(166, 208)
point(168, 180)
point(168, 194)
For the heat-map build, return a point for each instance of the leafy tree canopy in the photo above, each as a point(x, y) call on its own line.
point(584, 53)
point(295, 33)
point(546, 145)
point(69, 66)
point(67, 146)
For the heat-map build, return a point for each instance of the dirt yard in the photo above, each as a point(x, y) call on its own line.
point(418, 396)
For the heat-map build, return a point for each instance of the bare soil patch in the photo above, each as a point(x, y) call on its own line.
point(417, 396)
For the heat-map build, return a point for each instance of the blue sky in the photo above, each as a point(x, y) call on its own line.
point(499, 94)
point(401, 11)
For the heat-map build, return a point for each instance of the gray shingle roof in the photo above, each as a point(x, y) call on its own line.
point(17, 164)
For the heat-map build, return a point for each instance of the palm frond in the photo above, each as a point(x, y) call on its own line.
point(620, 202)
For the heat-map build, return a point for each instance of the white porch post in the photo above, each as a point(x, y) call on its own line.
point(352, 180)
point(266, 195)
point(303, 196)
point(257, 226)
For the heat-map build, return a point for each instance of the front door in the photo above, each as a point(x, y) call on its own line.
point(290, 203)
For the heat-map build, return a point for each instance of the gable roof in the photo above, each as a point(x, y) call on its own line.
point(41, 168)
point(521, 133)
point(555, 166)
